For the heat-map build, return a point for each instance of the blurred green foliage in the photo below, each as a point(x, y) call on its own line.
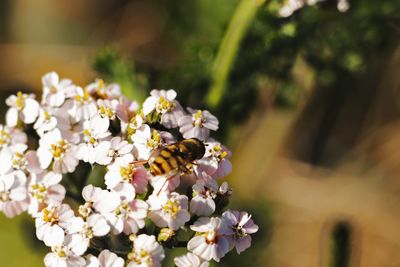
point(333, 45)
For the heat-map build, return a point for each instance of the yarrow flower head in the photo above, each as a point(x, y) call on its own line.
point(136, 177)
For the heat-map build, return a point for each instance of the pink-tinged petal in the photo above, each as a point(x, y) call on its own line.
point(12, 117)
point(76, 243)
point(45, 157)
point(101, 153)
point(75, 225)
point(50, 79)
point(222, 247)
point(99, 124)
point(6, 160)
point(171, 94)
point(112, 179)
point(33, 162)
point(92, 261)
point(18, 194)
point(109, 259)
point(201, 225)
point(140, 180)
point(126, 191)
point(91, 193)
point(54, 236)
point(14, 208)
point(108, 202)
point(243, 244)
point(53, 260)
point(30, 111)
point(52, 178)
point(202, 206)
point(98, 224)
point(149, 105)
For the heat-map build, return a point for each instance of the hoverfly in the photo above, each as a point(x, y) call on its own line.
point(176, 157)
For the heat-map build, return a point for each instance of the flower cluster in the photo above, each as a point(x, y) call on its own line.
point(128, 214)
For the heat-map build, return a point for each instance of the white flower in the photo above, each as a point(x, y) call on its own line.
point(96, 146)
point(81, 106)
point(44, 189)
point(146, 252)
point(54, 90)
point(53, 148)
point(95, 225)
point(241, 226)
point(106, 259)
point(45, 122)
point(119, 148)
point(145, 141)
point(70, 130)
point(13, 193)
point(64, 255)
point(169, 210)
point(162, 183)
point(160, 100)
point(23, 107)
point(136, 122)
point(204, 193)
point(98, 200)
point(51, 222)
point(210, 241)
point(123, 170)
point(129, 216)
point(216, 160)
point(107, 108)
point(126, 109)
point(164, 103)
point(6, 157)
point(100, 90)
point(198, 124)
point(11, 136)
point(189, 260)
point(19, 161)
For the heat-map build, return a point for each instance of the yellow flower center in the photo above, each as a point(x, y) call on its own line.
point(85, 210)
point(198, 119)
point(142, 257)
point(127, 172)
point(60, 252)
point(20, 101)
point(218, 153)
point(83, 98)
point(163, 105)
point(4, 196)
point(90, 137)
point(211, 237)
point(50, 216)
point(4, 137)
point(58, 149)
point(53, 89)
point(39, 192)
point(19, 161)
point(123, 209)
point(106, 112)
point(172, 207)
point(154, 142)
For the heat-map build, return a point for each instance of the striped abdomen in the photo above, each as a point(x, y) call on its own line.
point(176, 157)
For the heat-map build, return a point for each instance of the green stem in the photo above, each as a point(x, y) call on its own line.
point(241, 19)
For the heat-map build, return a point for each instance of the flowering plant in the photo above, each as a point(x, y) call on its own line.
point(48, 149)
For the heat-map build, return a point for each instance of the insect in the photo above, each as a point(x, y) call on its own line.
point(176, 157)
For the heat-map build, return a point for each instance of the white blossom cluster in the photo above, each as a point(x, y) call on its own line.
point(292, 5)
point(130, 218)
